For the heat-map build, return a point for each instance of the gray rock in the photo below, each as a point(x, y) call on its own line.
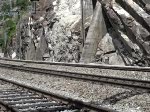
point(147, 7)
point(76, 37)
point(31, 52)
point(115, 59)
point(1, 55)
point(106, 44)
point(46, 55)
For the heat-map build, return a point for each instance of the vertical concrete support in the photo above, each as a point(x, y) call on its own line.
point(96, 32)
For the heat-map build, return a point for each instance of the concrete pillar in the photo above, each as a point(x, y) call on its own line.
point(96, 32)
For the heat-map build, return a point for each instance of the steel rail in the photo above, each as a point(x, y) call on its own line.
point(131, 83)
point(77, 103)
point(84, 65)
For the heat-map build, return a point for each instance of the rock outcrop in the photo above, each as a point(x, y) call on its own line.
point(129, 21)
point(53, 33)
point(118, 32)
point(127, 40)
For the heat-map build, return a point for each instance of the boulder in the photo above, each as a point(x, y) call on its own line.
point(106, 44)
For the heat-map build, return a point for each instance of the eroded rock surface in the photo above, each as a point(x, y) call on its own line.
point(54, 33)
point(129, 22)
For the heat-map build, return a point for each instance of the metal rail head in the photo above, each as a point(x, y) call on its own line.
point(83, 65)
point(125, 82)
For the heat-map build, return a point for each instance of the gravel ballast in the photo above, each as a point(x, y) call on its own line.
point(4, 86)
point(81, 90)
point(95, 71)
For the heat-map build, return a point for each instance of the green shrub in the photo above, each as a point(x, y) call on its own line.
point(1, 42)
point(11, 21)
point(6, 7)
point(11, 28)
point(23, 4)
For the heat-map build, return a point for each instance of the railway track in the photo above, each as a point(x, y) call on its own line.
point(29, 99)
point(99, 66)
point(123, 82)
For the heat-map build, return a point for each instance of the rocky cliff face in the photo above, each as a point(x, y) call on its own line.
point(53, 33)
point(130, 30)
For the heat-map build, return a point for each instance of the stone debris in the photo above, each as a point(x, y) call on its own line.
point(129, 29)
